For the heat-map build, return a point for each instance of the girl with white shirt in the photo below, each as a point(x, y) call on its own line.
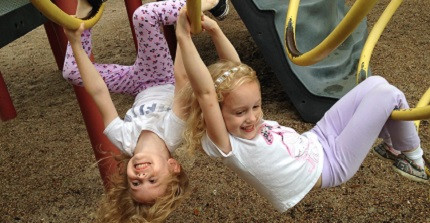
point(226, 120)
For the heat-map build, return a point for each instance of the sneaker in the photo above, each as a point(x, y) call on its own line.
point(426, 165)
point(96, 4)
point(220, 11)
point(407, 168)
point(386, 152)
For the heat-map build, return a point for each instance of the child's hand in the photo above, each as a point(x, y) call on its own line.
point(183, 27)
point(74, 36)
point(209, 24)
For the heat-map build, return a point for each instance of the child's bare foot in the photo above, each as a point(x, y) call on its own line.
point(88, 8)
point(83, 9)
point(209, 4)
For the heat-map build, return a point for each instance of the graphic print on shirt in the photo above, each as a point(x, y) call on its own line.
point(296, 145)
point(145, 109)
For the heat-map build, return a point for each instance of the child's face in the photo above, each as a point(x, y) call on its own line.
point(148, 175)
point(241, 110)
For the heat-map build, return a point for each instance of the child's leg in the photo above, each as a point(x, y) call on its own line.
point(114, 75)
point(154, 65)
point(351, 126)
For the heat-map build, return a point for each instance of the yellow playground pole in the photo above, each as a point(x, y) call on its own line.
point(420, 112)
point(194, 11)
point(372, 39)
point(351, 20)
point(338, 35)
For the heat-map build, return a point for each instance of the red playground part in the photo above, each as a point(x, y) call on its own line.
point(131, 6)
point(7, 110)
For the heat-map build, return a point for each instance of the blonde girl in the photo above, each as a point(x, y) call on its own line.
point(226, 120)
point(150, 182)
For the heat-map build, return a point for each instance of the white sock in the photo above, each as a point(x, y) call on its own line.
point(416, 155)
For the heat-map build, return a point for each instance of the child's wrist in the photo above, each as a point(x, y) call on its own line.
point(213, 30)
point(75, 43)
point(182, 36)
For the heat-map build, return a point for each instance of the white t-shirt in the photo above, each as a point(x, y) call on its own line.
point(151, 111)
point(280, 163)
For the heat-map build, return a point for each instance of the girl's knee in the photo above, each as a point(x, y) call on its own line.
point(377, 79)
point(71, 75)
point(389, 92)
point(144, 12)
point(385, 89)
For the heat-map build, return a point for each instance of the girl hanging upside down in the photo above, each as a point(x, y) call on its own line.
point(151, 183)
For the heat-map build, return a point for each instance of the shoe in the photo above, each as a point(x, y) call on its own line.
point(220, 11)
point(96, 4)
point(407, 168)
point(385, 152)
point(426, 165)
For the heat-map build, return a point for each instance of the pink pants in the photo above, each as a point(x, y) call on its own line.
point(349, 128)
point(153, 65)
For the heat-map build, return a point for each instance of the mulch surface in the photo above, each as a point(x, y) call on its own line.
point(49, 173)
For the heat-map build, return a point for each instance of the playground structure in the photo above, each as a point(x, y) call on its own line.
point(13, 26)
point(358, 11)
point(311, 105)
point(58, 16)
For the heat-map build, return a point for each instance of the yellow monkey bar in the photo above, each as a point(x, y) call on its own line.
point(363, 64)
point(354, 16)
point(194, 11)
point(55, 14)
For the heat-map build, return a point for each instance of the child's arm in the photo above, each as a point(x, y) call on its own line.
point(91, 78)
point(224, 48)
point(202, 84)
point(181, 80)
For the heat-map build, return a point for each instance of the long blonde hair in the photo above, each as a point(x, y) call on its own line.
point(195, 125)
point(117, 205)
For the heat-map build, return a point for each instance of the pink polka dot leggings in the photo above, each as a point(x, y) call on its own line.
point(153, 65)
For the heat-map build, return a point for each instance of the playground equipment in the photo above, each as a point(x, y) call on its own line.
point(14, 25)
point(55, 14)
point(195, 13)
point(351, 20)
point(339, 34)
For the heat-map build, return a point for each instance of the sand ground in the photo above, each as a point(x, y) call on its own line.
point(48, 171)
